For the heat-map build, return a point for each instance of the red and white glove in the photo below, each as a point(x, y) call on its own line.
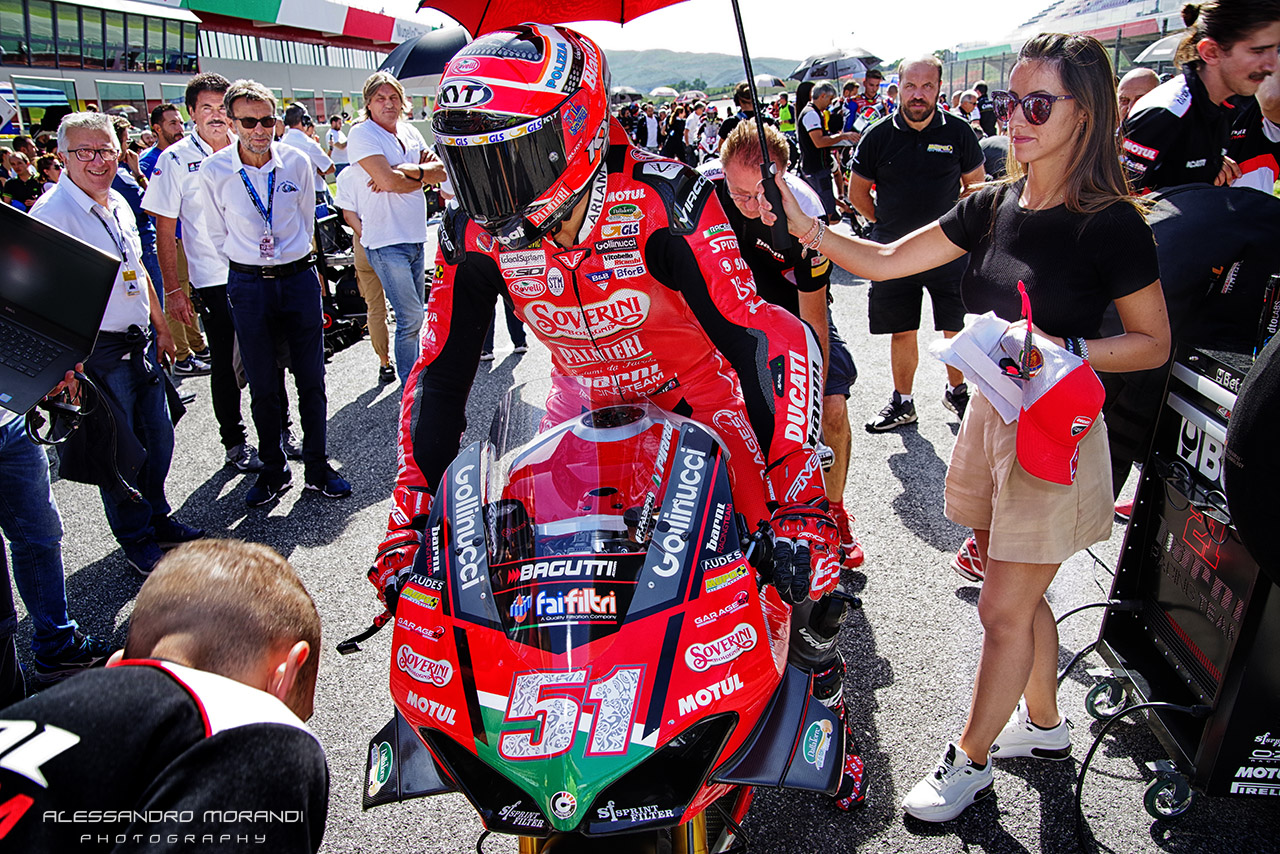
point(806, 541)
point(394, 562)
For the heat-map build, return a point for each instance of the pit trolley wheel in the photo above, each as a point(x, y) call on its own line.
point(1106, 699)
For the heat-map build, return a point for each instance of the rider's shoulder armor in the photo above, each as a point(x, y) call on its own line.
point(683, 191)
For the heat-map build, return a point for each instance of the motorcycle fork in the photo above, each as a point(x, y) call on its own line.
point(691, 837)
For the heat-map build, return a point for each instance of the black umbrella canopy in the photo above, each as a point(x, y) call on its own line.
point(425, 55)
point(835, 63)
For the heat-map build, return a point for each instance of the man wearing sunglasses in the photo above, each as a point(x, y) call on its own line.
point(260, 217)
point(1179, 132)
point(920, 159)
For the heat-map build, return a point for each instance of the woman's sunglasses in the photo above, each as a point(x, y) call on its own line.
point(1036, 108)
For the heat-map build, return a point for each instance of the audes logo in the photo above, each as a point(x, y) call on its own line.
point(625, 309)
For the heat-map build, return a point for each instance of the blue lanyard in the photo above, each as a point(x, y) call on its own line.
point(119, 242)
point(257, 202)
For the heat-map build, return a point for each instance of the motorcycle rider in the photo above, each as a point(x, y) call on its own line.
point(623, 264)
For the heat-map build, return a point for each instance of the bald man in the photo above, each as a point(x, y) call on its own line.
point(1135, 84)
point(192, 737)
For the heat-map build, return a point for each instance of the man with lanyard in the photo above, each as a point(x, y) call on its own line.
point(1178, 133)
point(295, 116)
point(85, 206)
point(816, 147)
point(272, 287)
point(654, 302)
point(799, 281)
point(919, 160)
point(173, 195)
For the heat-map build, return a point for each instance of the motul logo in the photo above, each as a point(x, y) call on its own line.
point(712, 693)
point(424, 669)
point(626, 310)
point(700, 656)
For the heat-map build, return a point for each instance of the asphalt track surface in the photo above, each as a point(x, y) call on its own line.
point(912, 650)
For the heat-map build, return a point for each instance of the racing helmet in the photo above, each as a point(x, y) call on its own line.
point(521, 122)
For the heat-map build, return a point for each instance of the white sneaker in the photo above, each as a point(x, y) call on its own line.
point(948, 790)
point(1020, 737)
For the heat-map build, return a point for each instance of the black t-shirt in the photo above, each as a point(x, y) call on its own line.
point(174, 744)
point(1176, 135)
point(916, 173)
point(987, 115)
point(24, 191)
point(813, 160)
point(1074, 265)
point(727, 126)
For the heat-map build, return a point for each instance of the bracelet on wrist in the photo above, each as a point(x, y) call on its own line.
point(817, 238)
point(1082, 349)
point(811, 232)
point(172, 292)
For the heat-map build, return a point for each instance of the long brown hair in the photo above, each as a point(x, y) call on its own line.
point(1094, 180)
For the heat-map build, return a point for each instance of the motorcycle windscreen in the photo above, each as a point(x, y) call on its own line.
point(572, 510)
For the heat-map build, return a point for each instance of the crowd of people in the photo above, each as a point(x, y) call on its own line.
point(1007, 197)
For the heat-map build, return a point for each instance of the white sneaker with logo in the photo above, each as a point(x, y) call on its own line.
point(949, 789)
point(1020, 737)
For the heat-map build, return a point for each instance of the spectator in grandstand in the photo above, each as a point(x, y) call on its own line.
point(816, 145)
point(1255, 138)
point(1067, 227)
point(1177, 132)
point(85, 206)
point(920, 161)
point(260, 218)
point(336, 143)
point(295, 117)
point(192, 353)
point(1136, 83)
point(375, 299)
point(986, 109)
point(174, 198)
point(394, 210)
point(195, 732)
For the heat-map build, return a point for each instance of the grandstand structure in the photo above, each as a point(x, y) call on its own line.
point(1125, 26)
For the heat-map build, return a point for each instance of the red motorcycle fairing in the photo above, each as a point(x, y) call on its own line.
point(595, 677)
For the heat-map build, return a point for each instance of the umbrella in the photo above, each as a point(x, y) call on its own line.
point(417, 59)
point(485, 17)
point(692, 95)
point(621, 94)
point(833, 64)
point(1160, 51)
point(766, 80)
point(663, 92)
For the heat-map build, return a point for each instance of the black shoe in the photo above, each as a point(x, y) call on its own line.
point(202, 355)
point(957, 401)
point(143, 556)
point(290, 445)
point(244, 457)
point(387, 374)
point(328, 483)
point(81, 654)
point(268, 487)
point(170, 532)
point(893, 416)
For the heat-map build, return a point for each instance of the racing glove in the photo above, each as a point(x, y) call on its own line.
point(806, 541)
point(395, 559)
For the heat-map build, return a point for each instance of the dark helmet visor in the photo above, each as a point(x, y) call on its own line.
point(499, 175)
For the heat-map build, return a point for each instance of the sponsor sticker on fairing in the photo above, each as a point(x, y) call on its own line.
point(704, 697)
point(725, 578)
point(439, 711)
point(816, 743)
point(380, 762)
point(702, 656)
point(420, 667)
point(739, 602)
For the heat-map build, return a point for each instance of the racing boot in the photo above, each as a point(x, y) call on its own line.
point(851, 554)
point(828, 689)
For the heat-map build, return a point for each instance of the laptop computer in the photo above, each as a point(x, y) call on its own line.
point(53, 293)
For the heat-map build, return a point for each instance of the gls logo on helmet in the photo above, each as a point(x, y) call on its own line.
point(463, 93)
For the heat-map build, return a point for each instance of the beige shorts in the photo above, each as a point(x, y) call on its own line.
point(1030, 520)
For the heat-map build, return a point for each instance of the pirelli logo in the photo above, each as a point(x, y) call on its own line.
point(1140, 150)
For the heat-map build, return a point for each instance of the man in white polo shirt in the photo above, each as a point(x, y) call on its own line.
point(394, 210)
point(84, 205)
point(260, 216)
point(293, 135)
point(173, 194)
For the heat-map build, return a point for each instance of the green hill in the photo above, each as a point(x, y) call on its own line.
point(647, 69)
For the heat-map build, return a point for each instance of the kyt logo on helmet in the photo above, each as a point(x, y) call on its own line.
point(522, 121)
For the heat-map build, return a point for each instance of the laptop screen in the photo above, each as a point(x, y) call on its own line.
point(53, 276)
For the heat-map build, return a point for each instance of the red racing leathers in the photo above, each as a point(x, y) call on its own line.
point(653, 298)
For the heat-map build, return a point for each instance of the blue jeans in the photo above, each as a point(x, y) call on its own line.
point(138, 387)
point(514, 327)
point(400, 268)
point(286, 309)
point(30, 521)
point(152, 262)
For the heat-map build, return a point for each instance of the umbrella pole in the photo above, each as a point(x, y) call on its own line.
point(781, 237)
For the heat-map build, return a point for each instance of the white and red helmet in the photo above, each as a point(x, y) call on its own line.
point(521, 122)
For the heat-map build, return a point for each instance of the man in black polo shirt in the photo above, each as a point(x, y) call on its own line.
point(919, 159)
point(986, 109)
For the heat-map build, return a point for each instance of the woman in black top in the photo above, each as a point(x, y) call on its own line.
point(674, 145)
point(1064, 224)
